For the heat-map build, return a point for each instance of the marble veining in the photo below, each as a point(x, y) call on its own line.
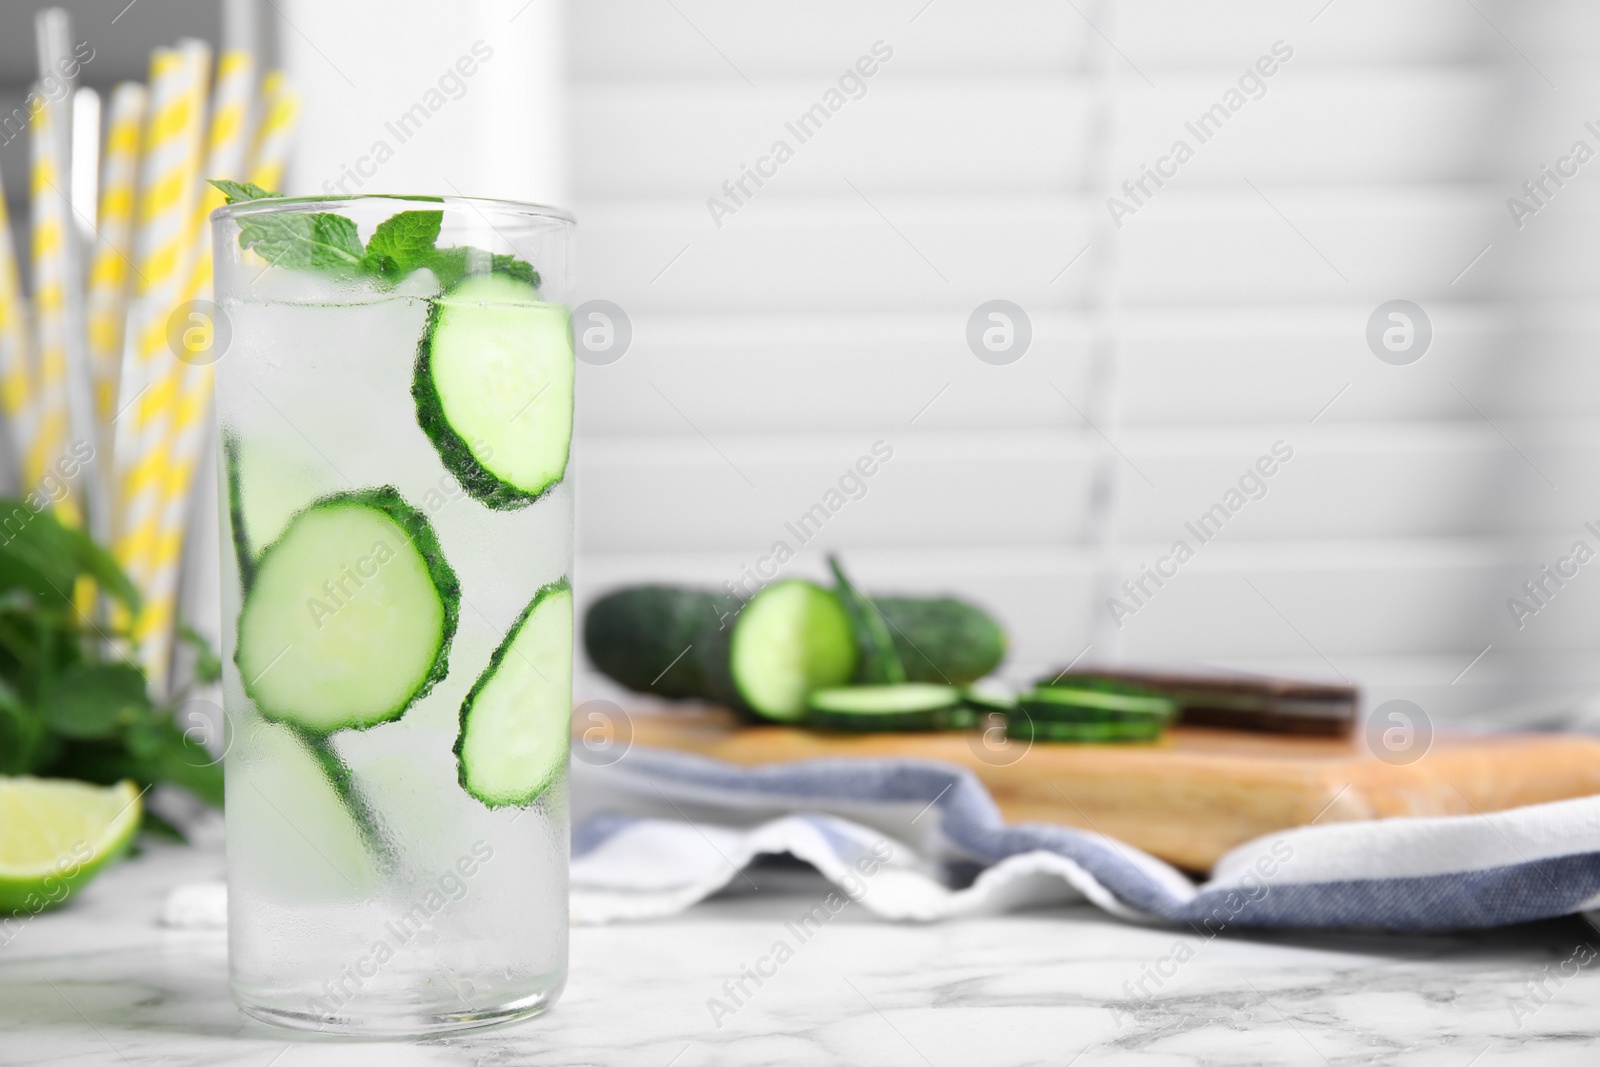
point(102, 983)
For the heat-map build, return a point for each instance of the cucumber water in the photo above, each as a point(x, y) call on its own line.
point(396, 587)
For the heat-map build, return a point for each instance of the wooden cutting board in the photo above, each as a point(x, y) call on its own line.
point(1199, 791)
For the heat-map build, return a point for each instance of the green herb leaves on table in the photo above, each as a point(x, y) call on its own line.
point(67, 708)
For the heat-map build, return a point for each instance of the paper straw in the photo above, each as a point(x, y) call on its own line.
point(85, 164)
point(50, 283)
point(109, 270)
point(16, 387)
point(276, 135)
point(187, 436)
point(67, 436)
point(169, 187)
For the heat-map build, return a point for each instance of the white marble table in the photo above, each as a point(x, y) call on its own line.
point(102, 983)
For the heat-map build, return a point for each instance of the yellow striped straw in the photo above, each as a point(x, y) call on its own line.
point(276, 135)
point(187, 435)
point(169, 189)
point(15, 379)
point(50, 234)
point(113, 254)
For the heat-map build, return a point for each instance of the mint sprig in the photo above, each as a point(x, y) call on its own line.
point(326, 242)
point(68, 708)
point(451, 265)
point(402, 243)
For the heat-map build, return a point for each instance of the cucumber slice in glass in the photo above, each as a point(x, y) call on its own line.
point(300, 835)
point(493, 387)
point(351, 614)
point(516, 723)
point(793, 637)
point(264, 491)
point(908, 706)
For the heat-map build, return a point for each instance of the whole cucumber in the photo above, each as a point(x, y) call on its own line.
point(673, 642)
point(665, 640)
point(941, 639)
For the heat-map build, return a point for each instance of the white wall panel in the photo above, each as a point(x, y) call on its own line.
point(831, 308)
point(1188, 366)
point(936, 132)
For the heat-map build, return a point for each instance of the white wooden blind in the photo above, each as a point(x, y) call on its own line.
point(830, 312)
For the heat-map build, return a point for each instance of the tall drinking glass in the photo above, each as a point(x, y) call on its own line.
point(394, 402)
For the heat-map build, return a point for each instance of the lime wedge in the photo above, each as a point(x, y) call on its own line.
point(56, 834)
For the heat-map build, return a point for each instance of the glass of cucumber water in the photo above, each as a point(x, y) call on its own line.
point(395, 409)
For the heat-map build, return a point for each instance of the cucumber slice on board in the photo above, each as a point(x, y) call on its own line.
point(351, 615)
point(493, 387)
point(981, 700)
point(963, 717)
point(908, 706)
point(516, 723)
point(985, 697)
point(1022, 727)
point(791, 638)
point(1070, 704)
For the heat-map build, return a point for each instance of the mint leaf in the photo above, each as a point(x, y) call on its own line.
point(207, 667)
point(519, 269)
point(47, 558)
point(334, 241)
point(320, 241)
point(96, 701)
point(330, 243)
point(238, 192)
point(402, 242)
point(452, 265)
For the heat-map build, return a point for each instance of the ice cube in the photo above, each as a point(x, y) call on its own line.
point(421, 282)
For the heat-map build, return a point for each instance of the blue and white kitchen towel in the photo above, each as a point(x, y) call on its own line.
point(657, 831)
